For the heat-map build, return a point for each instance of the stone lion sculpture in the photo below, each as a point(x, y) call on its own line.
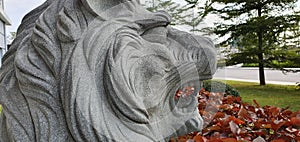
point(99, 70)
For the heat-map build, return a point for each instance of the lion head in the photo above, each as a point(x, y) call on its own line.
point(87, 70)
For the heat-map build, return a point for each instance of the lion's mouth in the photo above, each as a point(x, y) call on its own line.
point(180, 113)
point(161, 81)
point(184, 78)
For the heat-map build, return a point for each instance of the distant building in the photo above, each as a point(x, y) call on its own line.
point(4, 20)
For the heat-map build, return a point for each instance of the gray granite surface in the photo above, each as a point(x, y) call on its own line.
point(101, 70)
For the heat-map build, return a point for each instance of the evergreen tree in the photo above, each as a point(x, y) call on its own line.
point(185, 12)
point(200, 10)
point(177, 11)
point(259, 27)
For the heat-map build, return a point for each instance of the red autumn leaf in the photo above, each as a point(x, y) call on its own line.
point(295, 121)
point(259, 133)
point(201, 91)
point(223, 106)
point(205, 93)
point(178, 94)
point(238, 99)
point(215, 140)
point(189, 90)
point(236, 119)
point(277, 125)
point(219, 115)
point(182, 140)
point(213, 128)
point(243, 113)
point(229, 100)
point(198, 138)
point(274, 111)
point(228, 140)
point(279, 140)
point(235, 109)
point(267, 126)
point(249, 107)
point(255, 102)
point(219, 124)
point(295, 114)
point(204, 113)
point(286, 113)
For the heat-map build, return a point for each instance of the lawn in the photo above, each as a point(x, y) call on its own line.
point(272, 95)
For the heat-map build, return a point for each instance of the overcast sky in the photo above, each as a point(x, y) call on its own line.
point(16, 10)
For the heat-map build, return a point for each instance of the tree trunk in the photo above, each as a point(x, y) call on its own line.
point(262, 79)
point(260, 55)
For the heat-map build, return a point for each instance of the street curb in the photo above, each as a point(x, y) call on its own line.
point(257, 81)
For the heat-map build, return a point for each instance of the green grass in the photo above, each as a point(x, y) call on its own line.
point(271, 95)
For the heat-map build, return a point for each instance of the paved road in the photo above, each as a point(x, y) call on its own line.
point(251, 75)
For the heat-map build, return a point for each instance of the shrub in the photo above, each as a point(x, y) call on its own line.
point(217, 86)
point(250, 65)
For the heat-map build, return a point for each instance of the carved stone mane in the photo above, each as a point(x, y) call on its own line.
point(99, 70)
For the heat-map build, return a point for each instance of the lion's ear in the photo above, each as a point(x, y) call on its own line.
point(100, 6)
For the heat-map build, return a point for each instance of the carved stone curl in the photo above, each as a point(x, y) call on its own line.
point(99, 70)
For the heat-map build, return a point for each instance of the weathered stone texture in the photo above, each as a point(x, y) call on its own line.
point(99, 70)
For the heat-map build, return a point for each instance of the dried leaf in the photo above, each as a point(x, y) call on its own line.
point(219, 115)
point(243, 113)
point(233, 127)
point(198, 138)
point(279, 140)
point(255, 102)
point(295, 121)
point(259, 139)
point(242, 122)
point(229, 140)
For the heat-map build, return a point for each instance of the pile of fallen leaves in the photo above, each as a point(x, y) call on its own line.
point(228, 119)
